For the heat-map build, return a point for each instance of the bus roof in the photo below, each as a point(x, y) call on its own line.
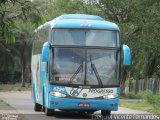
point(79, 16)
point(81, 21)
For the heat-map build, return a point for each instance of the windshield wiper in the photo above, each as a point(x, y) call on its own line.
point(96, 73)
point(74, 75)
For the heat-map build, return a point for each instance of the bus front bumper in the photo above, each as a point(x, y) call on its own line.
point(83, 104)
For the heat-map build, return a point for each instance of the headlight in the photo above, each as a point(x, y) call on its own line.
point(57, 94)
point(110, 96)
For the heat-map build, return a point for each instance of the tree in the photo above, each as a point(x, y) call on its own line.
point(139, 30)
point(14, 37)
point(23, 46)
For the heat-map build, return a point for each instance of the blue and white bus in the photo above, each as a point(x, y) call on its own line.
point(76, 64)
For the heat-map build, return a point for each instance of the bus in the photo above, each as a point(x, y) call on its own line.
point(76, 65)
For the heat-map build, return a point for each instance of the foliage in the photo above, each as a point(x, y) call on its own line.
point(18, 18)
point(137, 105)
point(14, 87)
point(23, 47)
point(132, 95)
point(9, 10)
point(9, 77)
point(154, 100)
point(151, 100)
point(139, 30)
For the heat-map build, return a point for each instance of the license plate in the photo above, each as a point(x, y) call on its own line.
point(83, 104)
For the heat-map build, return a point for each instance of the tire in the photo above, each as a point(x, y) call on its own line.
point(86, 112)
point(37, 107)
point(49, 112)
point(106, 113)
point(42, 109)
point(90, 112)
point(43, 106)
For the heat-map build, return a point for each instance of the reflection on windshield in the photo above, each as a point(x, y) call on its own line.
point(84, 66)
point(66, 63)
point(74, 75)
point(95, 72)
point(105, 63)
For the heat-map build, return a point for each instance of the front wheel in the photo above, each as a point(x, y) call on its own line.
point(106, 113)
point(37, 107)
point(49, 112)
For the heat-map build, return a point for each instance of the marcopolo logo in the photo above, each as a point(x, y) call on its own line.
point(75, 91)
point(59, 89)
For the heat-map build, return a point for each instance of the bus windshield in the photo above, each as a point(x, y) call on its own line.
point(85, 66)
point(85, 37)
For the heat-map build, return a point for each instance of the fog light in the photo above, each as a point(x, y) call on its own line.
point(110, 96)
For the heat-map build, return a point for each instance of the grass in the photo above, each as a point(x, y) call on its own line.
point(13, 87)
point(132, 95)
point(138, 105)
point(2, 102)
point(145, 100)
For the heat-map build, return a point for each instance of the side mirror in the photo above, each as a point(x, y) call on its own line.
point(126, 55)
point(45, 52)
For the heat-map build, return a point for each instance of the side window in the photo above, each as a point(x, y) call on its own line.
point(40, 37)
point(34, 49)
point(50, 34)
point(46, 34)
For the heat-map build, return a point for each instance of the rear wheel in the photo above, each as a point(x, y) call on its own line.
point(43, 109)
point(49, 112)
point(43, 106)
point(37, 107)
point(106, 113)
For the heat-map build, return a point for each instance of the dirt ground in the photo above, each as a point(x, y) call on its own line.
point(9, 113)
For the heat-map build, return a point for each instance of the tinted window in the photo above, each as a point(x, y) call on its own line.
point(85, 37)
